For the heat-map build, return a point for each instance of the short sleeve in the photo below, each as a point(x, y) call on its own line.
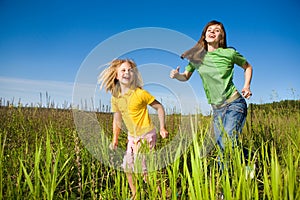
point(239, 59)
point(190, 67)
point(114, 106)
point(146, 96)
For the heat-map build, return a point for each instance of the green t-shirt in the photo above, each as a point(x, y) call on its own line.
point(216, 72)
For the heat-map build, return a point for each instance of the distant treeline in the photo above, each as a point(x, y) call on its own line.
point(291, 105)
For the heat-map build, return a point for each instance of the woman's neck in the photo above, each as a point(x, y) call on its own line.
point(212, 46)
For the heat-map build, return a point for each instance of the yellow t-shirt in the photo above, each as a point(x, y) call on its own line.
point(133, 107)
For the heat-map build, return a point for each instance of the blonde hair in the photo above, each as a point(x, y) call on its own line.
point(111, 84)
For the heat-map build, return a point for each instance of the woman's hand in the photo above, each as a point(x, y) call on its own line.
point(180, 76)
point(174, 72)
point(246, 92)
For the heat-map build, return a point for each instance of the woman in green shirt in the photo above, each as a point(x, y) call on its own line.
point(211, 58)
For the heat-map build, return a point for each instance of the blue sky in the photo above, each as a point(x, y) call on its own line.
point(44, 43)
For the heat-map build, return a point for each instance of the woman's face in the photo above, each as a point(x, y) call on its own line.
point(125, 74)
point(213, 34)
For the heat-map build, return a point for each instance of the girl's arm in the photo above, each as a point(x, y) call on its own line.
point(117, 121)
point(161, 116)
point(180, 76)
point(248, 76)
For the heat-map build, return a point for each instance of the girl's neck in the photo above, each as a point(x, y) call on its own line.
point(124, 89)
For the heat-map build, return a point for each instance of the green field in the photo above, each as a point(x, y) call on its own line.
point(42, 157)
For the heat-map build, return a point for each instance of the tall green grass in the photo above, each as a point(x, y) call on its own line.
point(42, 157)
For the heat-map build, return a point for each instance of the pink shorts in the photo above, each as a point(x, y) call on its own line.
point(133, 145)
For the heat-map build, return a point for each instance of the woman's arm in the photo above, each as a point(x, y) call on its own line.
point(161, 116)
point(180, 76)
point(248, 76)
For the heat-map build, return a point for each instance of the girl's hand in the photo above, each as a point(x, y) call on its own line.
point(113, 145)
point(174, 72)
point(163, 132)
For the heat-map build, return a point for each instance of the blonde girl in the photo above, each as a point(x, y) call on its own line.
point(129, 103)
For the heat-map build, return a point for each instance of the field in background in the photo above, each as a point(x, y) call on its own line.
point(42, 157)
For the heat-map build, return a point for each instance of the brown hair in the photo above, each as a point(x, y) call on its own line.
point(196, 53)
point(109, 81)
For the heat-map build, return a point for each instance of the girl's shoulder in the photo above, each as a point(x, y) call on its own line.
point(139, 91)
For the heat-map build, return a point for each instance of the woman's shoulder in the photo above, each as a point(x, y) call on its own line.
point(228, 49)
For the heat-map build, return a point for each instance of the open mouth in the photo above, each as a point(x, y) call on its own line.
point(126, 78)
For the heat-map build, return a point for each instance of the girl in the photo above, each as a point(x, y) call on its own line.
point(211, 58)
point(129, 102)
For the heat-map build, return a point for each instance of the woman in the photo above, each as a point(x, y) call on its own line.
point(211, 58)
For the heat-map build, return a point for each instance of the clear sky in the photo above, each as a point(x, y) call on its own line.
point(44, 43)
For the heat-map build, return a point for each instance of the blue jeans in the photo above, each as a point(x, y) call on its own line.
point(229, 119)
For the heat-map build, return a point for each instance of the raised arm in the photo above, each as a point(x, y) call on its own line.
point(180, 76)
point(161, 116)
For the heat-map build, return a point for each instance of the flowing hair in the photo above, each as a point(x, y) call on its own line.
point(109, 81)
point(197, 52)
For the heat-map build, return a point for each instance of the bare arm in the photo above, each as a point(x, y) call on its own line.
point(161, 116)
point(248, 76)
point(180, 76)
point(117, 121)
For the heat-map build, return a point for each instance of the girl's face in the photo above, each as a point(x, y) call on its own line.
point(213, 34)
point(125, 74)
